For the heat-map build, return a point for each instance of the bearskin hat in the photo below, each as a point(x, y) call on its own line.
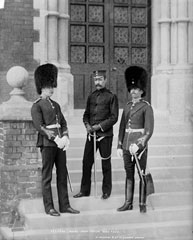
point(45, 76)
point(136, 77)
point(99, 73)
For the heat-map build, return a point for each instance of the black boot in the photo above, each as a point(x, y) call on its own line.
point(129, 190)
point(142, 196)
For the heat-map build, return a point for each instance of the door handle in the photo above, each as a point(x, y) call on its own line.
point(113, 69)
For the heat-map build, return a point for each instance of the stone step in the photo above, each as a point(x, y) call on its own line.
point(154, 150)
point(167, 230)
point(161, 186)
point(179, 172)
point(153, 161)
point(102, 218)
point(157, 139)
point(158, 200)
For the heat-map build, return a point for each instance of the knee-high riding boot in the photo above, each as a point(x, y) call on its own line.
point(142, 196)
point(129, 191)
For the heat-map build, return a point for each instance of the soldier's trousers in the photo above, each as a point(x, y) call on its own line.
point(104, 146)
point(51, 156)
point(129, 165)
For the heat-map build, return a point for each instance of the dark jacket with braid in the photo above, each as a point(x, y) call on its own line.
point(46, 112)
point(136, 116)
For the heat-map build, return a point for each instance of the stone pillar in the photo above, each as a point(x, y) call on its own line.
point(63, 34)
point(174, 33)
point(182, 22)
point(20, 169)
point(52, 31)
point(53, 27)
point(65, 92)
point(173, 72)
point(160, 57)
point(165, 22)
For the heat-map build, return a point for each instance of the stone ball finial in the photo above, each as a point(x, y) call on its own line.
point(17, 77)
point(17, 107)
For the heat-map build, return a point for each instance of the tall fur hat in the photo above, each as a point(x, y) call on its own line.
point(136, 77)
point(45, 76)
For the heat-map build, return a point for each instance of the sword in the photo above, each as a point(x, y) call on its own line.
point(141, 176)
point(69, 180)
point(95, 177)
point(138, 168)
point(68, 176)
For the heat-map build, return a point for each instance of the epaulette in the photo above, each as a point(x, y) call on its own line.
point(37, 100)
point(145, 102)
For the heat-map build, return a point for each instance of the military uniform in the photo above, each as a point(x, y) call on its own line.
point(102, 108)
point(46, 112)
point(52, 139)
point(136, 127)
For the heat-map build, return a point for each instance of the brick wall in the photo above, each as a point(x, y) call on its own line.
point(20, 167)
point(16, 42)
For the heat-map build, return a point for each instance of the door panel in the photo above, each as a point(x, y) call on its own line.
point(110, 35)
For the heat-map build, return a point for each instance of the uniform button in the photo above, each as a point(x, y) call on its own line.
point(129, 120)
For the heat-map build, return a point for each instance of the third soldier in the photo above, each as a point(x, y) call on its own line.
point(136, 128)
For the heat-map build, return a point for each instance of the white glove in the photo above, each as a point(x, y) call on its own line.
point(119, 152)
point(59, 142)
point(133, 148)
point(66, 143)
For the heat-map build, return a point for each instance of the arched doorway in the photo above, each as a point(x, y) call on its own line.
point(111, 35)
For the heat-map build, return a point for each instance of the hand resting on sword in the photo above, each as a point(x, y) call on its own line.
point(133, 149)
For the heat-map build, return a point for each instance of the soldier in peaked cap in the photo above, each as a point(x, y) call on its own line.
point(53, 139)
point(100, 115)
point(135, 130)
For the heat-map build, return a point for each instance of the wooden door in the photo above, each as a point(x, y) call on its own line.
point(110, 35)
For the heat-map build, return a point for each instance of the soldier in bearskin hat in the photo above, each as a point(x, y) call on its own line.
point(53, 139)
point(100, 115)
point(135, 130)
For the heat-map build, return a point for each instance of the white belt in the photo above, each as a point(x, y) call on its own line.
point(131, 130)
point(57, 125)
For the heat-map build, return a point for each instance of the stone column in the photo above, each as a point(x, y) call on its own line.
point(182, 74)
point(165, 22)
point(172, 72)
point(63, 33)
point(64, 93)
point(182, 22)
point(52, 31)
point(53, 47)
point(20, 169)
point(174, 32)
point(160, 59)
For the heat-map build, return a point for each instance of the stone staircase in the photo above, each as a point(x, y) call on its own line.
point(169, 215)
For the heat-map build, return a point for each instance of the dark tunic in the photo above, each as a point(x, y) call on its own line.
point(102, 108)
point(47, 112)
point(136, 116)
